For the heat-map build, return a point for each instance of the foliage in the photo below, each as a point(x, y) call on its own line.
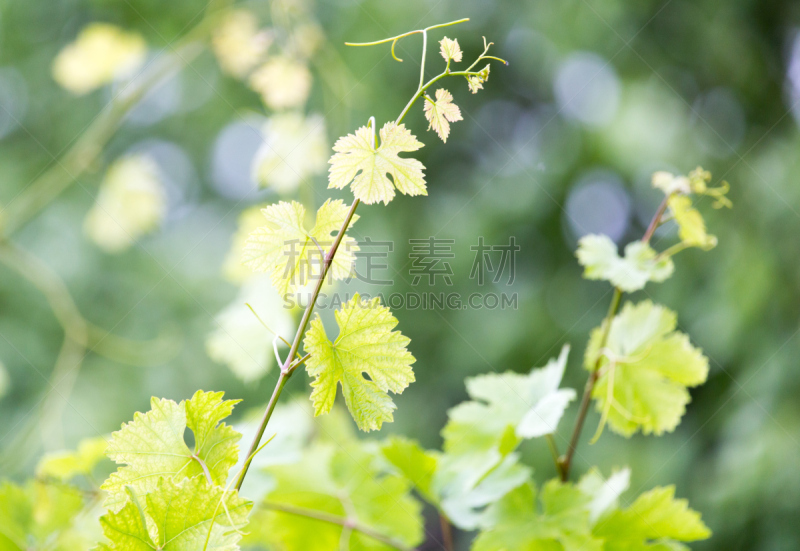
point(176, 494)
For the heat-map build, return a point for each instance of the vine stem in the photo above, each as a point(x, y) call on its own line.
point(447, 532)
point(289, 367)
point(352, 524)
point(564, 463)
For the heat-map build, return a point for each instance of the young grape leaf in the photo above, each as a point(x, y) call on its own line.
point(645, 368)
point(475, 82)
point(415, 464)
point(366, 344)
point(441, 112)
point(669, 183)
point(152, 446)
point(450, 49)
point(290, 254)
point(466, 484)
point(345, 482)
point(528, 406)
point(67, 464)
point(37, 515)
point(562, 522)
point(655, 516)
point(691, 226)
point(358, 161)
point(179, 516)
point(598, 255)
point(603, 492)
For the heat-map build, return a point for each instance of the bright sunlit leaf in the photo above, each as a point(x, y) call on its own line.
point(185, 515)
point(152, 446)
point(691, 226)
point(366, 345)
point(441, 112)
point(450, 49)
point(645, 369)
point(67, 464)
point(358, 162)
point(655, 516)
point(291, 254)
point(528, 406)
point(598, 255)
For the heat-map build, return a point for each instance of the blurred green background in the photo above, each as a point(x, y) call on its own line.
point(598, 94)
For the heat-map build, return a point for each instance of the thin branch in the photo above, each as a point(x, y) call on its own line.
point(565, 461)
point(352, 524)
point(447, 532)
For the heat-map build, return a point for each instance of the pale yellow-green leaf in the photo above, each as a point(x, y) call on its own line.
point(655, 516)
point(450, 49)
point(131, 202)
point(39, 515)
point(64, 465)
point(346, 482)
point(99, 55)
point(366, 344)
point(669, 183)
point(561, 523)
point(415, 464)
point(294, 150)
point(645, 369)
point(598, 255)
point(368, 168)
point(691, 226)
point(441, 112)
point(178, 516)
point(475, 82)
point(293, 255)
point(153, 446)
point(527, 406)
point(283, 83)
point(238, 43)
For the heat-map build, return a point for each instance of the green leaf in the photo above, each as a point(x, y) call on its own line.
point(527, 405)
point(415, 464)
point(645, 368)
point(343, 481)
point(466, 484)
point(598, 255)
point(691, 226)
point(290, 254)
point(153, 446)
point(656, 517)
point(450, 49)
point(603, 492)
point(561, 523)
point(67, 464)
point(366, 344)
point(356, 160)
point(441, 112)
point(36, 515)
point(180, 516)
